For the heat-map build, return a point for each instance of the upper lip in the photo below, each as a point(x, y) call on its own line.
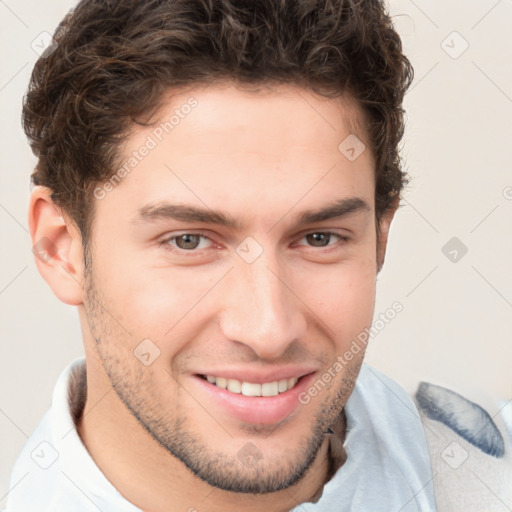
point(259, 376)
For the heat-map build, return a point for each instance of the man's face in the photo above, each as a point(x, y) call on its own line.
point(213, 250)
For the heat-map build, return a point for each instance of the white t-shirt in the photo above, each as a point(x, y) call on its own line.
point(387, 467)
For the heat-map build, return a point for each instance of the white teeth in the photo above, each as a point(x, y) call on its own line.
point(235, 386)
point(291, 382)
point(222, 383)
point(251, 389)
point(283, 385)
point(270, 389)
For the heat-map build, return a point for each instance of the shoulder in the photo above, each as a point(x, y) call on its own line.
point(383, 395)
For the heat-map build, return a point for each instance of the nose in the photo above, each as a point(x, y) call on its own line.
point(260, 308)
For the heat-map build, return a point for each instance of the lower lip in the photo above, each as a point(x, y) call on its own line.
point(264, 410)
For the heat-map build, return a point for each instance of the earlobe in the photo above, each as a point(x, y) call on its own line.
point(57, 247)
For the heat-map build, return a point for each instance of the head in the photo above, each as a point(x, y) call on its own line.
point(218, 180)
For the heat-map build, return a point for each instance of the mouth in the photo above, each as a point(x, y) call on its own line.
point(265, 389)
point(265, 402)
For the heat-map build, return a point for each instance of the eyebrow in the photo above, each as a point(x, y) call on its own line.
point(164, 211)
point(340, 208)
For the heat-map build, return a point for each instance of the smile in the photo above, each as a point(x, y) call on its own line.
point(250, 388)
point(264, 398)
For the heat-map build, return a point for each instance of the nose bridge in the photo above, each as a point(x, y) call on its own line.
point(259, 309)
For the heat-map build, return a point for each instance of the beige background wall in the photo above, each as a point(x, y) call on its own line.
point(457, 309)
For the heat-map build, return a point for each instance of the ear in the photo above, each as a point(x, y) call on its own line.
point(57, 247)
point(383, 232)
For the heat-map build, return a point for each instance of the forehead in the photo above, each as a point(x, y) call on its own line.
point(265, 150)
point(260, 118)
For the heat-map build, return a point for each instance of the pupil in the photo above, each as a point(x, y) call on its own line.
point(319, 239)
point(188, 241)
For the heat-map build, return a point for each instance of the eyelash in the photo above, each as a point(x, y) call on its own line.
point(196, 252)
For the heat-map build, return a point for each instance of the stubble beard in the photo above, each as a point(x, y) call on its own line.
point(135, 385)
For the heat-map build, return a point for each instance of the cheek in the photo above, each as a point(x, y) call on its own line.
point(343, 297)
point(150, 301)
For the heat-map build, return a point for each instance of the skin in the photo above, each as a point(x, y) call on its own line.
point(262, 158)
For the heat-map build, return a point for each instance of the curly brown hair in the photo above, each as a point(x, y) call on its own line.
point(115, 59)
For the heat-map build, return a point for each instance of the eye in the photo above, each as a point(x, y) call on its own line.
point(188, 242)
point(323, 239)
